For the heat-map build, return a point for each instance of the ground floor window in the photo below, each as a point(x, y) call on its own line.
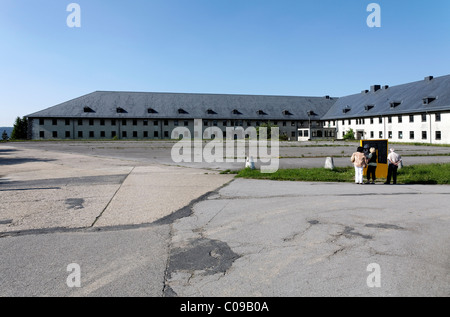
point(438, 135)
point(424, 135)
point(411, 135)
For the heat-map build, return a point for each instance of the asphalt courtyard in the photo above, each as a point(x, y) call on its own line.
point(137, 224)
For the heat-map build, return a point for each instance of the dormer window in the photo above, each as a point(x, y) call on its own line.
point(395, 104)
point(261, 113)
point(346, 109)
point(88, 110)
point(428, 100)
point(287, 113)
point(152, 111)
point(237, 112)
point(210, 111)
point(120, 110)
point(369, 107)
point(311, 113)
point(182, 111)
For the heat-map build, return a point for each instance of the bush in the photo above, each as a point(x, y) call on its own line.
point(350, 135)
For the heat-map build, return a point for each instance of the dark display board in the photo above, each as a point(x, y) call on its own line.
point(380, 145)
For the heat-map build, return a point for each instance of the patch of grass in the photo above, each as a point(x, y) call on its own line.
point(340, 174)
point(415, 174)
point(425, 174)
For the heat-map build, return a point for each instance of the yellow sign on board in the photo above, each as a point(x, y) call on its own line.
point(382, 150)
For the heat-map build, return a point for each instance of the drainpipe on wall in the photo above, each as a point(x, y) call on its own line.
point(431, 135)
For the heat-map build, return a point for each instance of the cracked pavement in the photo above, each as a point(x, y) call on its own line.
point(308, 239)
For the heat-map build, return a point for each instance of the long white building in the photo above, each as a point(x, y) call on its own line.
point(417, 112)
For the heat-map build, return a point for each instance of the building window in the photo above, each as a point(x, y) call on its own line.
point(306, 133)
point(349, 122)
point(55, 134)
point(380, 134)
point(438, 135)
point(155, 134)
point(424, 135)
point(424, 117)
point(372, 134)
point(102, 122)
point(155, 123)
point(411, 118)
point(113, 134)
point(215, 123)
point(67, 121)
point(124, 122)
point(80, 122)
point(41, 134)
point(411, 135)
point(166, 122)
point(102, 134)
point(134, 122)
point(225, 123)
point(80, 134)
point(438, 117)
point(124, 134)
point(67, 134)
point(175, 123)
point(371, 120)
point(205, 123)
point(135, 134)
point(166, 134)
point(91, 122)
point(400, 134)
point(293, 124)
point(186, 123)
point(91, 134)
point(293, 134)
point(41, 121)
point(284, 123)
point(54, 122)
point(145, 134)
point(380, 120)
point(113, 122)
point(390, 134)
point(400, 119)
point(389, 119)
point(145, 122)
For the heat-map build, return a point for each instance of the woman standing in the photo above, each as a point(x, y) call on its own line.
point(359, 161)
point(372, 163)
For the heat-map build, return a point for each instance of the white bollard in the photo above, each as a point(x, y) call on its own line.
point(329, 163)
point(249, 163)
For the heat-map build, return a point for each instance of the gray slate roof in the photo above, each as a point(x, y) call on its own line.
point(410, 95)
point(136, 104)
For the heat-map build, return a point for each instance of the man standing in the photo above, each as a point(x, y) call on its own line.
point(394, 160)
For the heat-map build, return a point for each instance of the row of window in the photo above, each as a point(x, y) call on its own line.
point(437, 118)
point(225, 123)
point(438, 135)
point(92, 134)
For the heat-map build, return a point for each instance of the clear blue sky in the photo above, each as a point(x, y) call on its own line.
point(282, 47)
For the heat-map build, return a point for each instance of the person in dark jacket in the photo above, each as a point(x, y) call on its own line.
point(372, 165)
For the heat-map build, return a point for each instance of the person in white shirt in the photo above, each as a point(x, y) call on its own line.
point(393, 160)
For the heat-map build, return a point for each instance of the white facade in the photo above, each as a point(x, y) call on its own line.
point(433, 128)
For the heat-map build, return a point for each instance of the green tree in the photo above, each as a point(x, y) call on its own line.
point(269, 129)
point(350, 135)
point(20, 130)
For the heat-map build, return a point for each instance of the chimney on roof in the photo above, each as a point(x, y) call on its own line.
point(386, 87)
point(429, 78)
point(327, 97)
point(375, 88)
point(364, 92)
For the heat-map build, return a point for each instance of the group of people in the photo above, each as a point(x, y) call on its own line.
point(361, 160)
